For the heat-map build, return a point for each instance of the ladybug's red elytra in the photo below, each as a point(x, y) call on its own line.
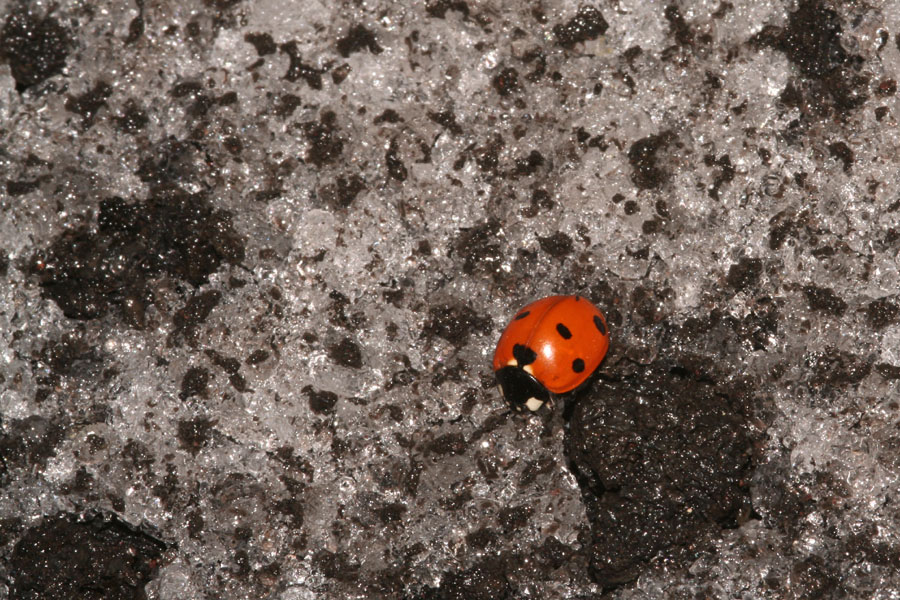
point(550, 347)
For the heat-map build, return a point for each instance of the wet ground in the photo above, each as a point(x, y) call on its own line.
point(255, 257)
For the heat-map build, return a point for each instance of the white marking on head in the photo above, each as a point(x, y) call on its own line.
point(533, 404)
point(512, 363)
point(528, 369)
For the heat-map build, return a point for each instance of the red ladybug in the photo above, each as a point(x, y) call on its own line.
point(550, 347)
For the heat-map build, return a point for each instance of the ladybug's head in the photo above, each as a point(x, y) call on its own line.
point(521, 389)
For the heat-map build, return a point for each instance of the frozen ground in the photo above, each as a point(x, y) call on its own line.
point(254, 257)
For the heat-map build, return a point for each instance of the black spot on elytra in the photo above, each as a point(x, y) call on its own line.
point(600, 325)
point(563, 331)
point(524, 355)
point(522, 315)
point(578, 365)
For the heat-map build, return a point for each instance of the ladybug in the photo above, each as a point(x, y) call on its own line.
point(550, 347)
